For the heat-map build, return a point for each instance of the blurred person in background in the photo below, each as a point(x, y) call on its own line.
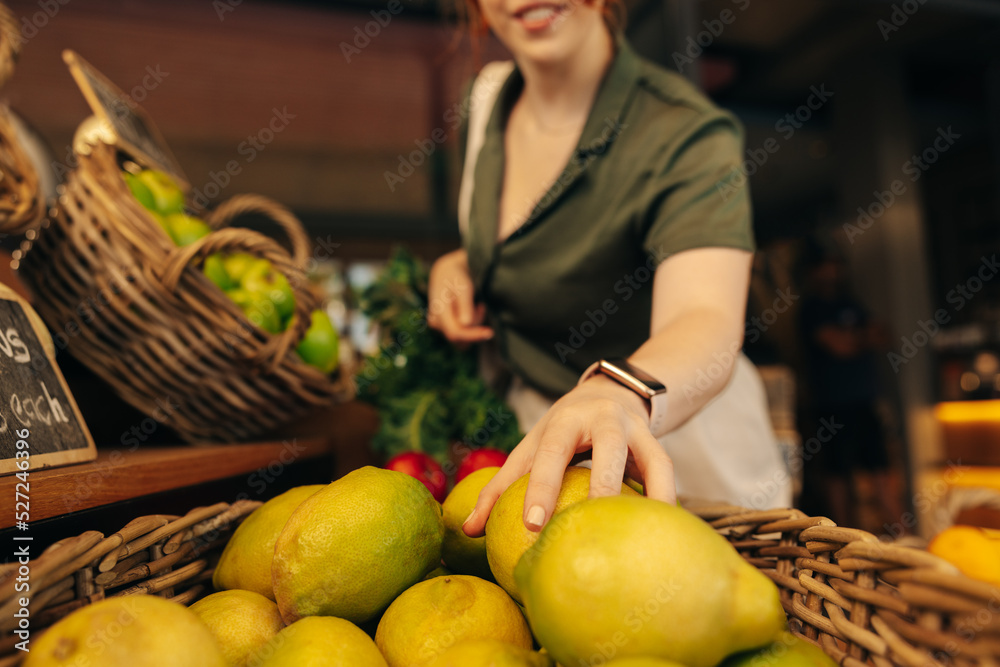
point(841, 343)
point(604, 215)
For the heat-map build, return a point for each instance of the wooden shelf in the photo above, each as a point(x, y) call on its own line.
point(119, 474)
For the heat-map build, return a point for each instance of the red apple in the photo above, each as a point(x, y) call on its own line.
point(424, 468)
point(479, 458)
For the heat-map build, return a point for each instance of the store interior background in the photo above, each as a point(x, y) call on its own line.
point(885, 81)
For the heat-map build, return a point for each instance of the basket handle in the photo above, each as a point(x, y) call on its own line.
point(246, 240)
point(10, 43)
point(239, 205)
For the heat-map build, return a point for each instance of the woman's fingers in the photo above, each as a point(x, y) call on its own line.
point(513, 468)
point(557, 444)
point(464, 306)
point(610, 457)
point(657, 468)
point(447, 321)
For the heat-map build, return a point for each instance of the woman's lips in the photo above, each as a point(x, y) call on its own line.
point(539, 16)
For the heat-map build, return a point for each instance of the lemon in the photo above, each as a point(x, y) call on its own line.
point(321, 641)
point(643, 662)
point(506, 536)
point(975, 551)
point(789, 651)
point(351, 548)
point(464, 554)
point(629, 576)
point(489, 653)
point(434, 615)
point(242, 622)
point(438, 572)
point(246, 561)
point(128, 631)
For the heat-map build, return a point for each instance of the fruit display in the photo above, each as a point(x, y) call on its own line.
point(357, 579)
point(252, 283)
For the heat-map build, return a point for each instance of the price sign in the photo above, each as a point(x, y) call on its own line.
point(34, 397)
point(134, 129)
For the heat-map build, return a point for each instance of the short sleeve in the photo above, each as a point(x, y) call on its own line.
point(698, 191)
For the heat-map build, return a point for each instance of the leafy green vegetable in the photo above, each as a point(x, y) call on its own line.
point(427, 391)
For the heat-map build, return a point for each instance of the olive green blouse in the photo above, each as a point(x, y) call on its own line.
point(656, 172)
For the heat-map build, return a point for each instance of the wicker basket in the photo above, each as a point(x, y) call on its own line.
point(21, 203)
point(863, 601)
point(135, 309)
point(170, 556)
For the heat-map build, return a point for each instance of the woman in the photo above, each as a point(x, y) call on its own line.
point(608, 218)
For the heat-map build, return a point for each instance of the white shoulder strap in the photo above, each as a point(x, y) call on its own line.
point(482, 99)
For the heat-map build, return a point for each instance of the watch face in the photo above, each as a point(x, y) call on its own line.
point(652, 383)
point(637, 380)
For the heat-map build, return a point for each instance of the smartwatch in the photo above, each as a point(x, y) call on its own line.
point(642, 383)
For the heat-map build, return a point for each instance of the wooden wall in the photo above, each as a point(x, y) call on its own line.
point(222, 75)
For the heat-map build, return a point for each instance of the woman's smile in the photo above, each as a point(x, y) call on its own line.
point(538, 17)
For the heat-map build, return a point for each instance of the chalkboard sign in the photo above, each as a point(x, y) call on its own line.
point(34, 398)
point(132, 126)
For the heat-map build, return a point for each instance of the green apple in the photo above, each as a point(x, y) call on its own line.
point(238, 263)
point(258, 309)
point(185, 229)
point(167, 195)
point(263, 278)
point(215, 270)
point(321, 345)
point(140, 191)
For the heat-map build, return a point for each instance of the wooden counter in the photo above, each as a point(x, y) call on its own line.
point(119, 474)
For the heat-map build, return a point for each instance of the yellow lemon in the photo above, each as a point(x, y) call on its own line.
point(642, 662)
point(788, 651)
point(506, 536)
point(246, 561)
point(628, 576)
point(975, 551)
point(435, 615)
point(242, 622)
point(127, 631)
point(464, 554)
point(489, 653)
point(321, 641)
point(350, 549)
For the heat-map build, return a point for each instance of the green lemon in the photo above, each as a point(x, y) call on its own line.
point(321, 345)
point(167, 196)
point(186, 229)
point(263, 278)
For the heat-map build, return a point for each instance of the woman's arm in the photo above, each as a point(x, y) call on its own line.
point(699, 303)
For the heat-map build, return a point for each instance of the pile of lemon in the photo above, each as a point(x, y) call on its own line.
point(372, 571)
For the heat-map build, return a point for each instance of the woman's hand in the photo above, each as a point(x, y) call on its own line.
point(601, 415)
point(452, 309)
